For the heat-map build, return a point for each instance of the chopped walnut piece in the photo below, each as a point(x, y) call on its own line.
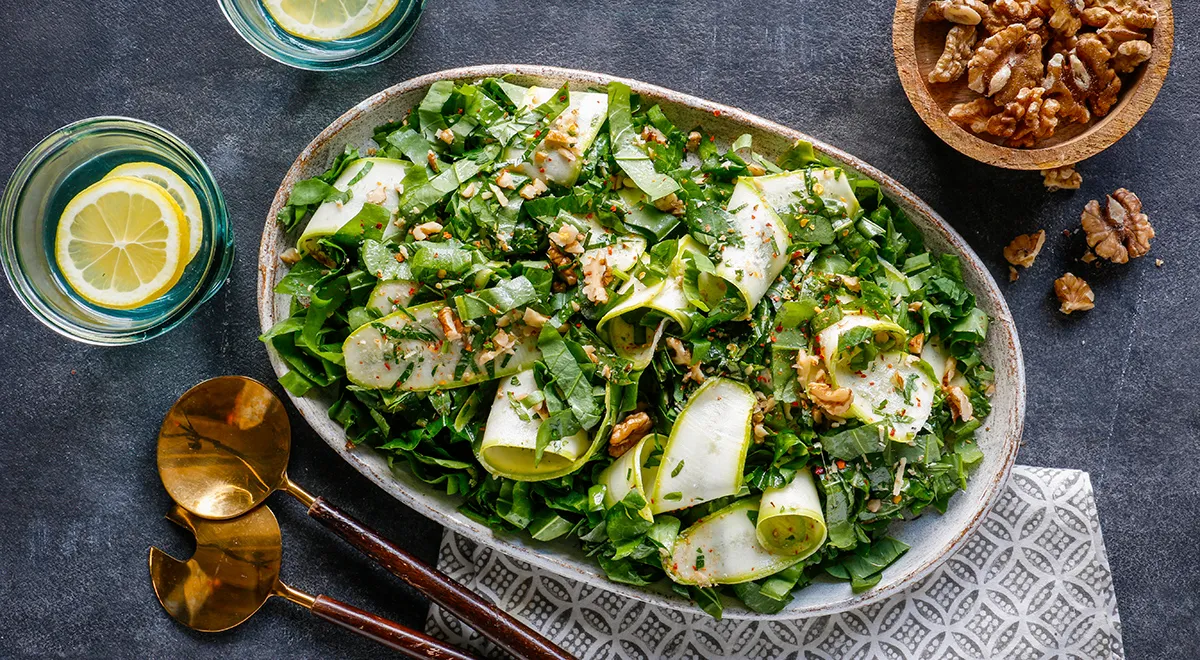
point(693, 141)
point(680, 355)
point(755, 169)
point(377, 196)
point(1074, 294)
point(670, 204)
point(916, 344)
point(432, 159)
point(833, 402)
point(1066, 19)
point(290, 256)
point(505, 180)
point(628, 432)
point(1006, 62)
point(694, 374)
point(1025, 248)
point(1118, 231)
point(596, 276)
point(568, 238)
point(960, 404)
point(808, 368)
point(1062, 178)
point(426, 229)
point(452, 328)
point(763, 405)
point(446, 135)
point(564, 264)
point(591, 353)
point(556, 139)
point(533, 318)
point(533, 189)
point(960, 44)
point(1130, 55)
point(652, 134)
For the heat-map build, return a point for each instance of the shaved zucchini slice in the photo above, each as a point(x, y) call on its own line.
point(629, 473)
point(581, 120)
point(753, 266)
point(384, 176)
point(620, 325)
point(790, 519)
point(783, 191)
point(894, 387)
point(706, 453)
point(408, 350)
point(390, 295)
point(723, 548)
point(509, 445)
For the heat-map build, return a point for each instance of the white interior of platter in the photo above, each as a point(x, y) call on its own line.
point(932, 537)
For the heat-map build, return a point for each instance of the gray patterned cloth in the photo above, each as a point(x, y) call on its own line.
point(1033, 582)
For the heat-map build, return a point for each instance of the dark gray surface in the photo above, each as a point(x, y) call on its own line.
point(1111, 391)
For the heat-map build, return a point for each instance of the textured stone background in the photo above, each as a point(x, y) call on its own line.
point(1112, 391)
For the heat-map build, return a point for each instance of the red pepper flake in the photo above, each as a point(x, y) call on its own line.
point(841, 464)
point(379, 225)
point(818, 470)
point(716, 113)
point(613, 208)
point(537, 133)
point(779, 328)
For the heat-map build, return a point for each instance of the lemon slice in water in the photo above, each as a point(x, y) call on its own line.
point(328, 20)
point(122, 243)
point(178, 189)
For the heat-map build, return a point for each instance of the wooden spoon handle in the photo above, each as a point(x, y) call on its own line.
point(392, 635)
point(502, 629)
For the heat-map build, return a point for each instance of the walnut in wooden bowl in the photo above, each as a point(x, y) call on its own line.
point(1032, 84)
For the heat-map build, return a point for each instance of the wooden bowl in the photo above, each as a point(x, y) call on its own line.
point(918, 45)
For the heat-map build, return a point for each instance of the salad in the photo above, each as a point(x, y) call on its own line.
point(598, 327)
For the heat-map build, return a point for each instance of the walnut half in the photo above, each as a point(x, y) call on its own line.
point(1025, 248)
point(626, 434)
point(1007, 62)
point(1074, 294)
point(1062, 178)
point(1119, 230)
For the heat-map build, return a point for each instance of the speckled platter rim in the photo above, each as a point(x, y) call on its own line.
point(1002, 432)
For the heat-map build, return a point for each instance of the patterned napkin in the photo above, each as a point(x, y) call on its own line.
point(1032, 582)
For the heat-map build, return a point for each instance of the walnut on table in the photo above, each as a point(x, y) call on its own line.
point(1062, 178)
point(1074, 294)
point(1117, 231)
point(1024, 249)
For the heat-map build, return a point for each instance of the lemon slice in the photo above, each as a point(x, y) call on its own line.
point(122, 243)
point(328, 20)
point(178, 189)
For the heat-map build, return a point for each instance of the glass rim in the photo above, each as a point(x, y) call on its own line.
point(220, 257)
point(364, 56)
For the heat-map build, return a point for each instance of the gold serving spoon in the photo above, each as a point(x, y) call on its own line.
point(223, 448)
point(236, 569)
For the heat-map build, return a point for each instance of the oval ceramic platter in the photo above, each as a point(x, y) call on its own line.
point(933, 537)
